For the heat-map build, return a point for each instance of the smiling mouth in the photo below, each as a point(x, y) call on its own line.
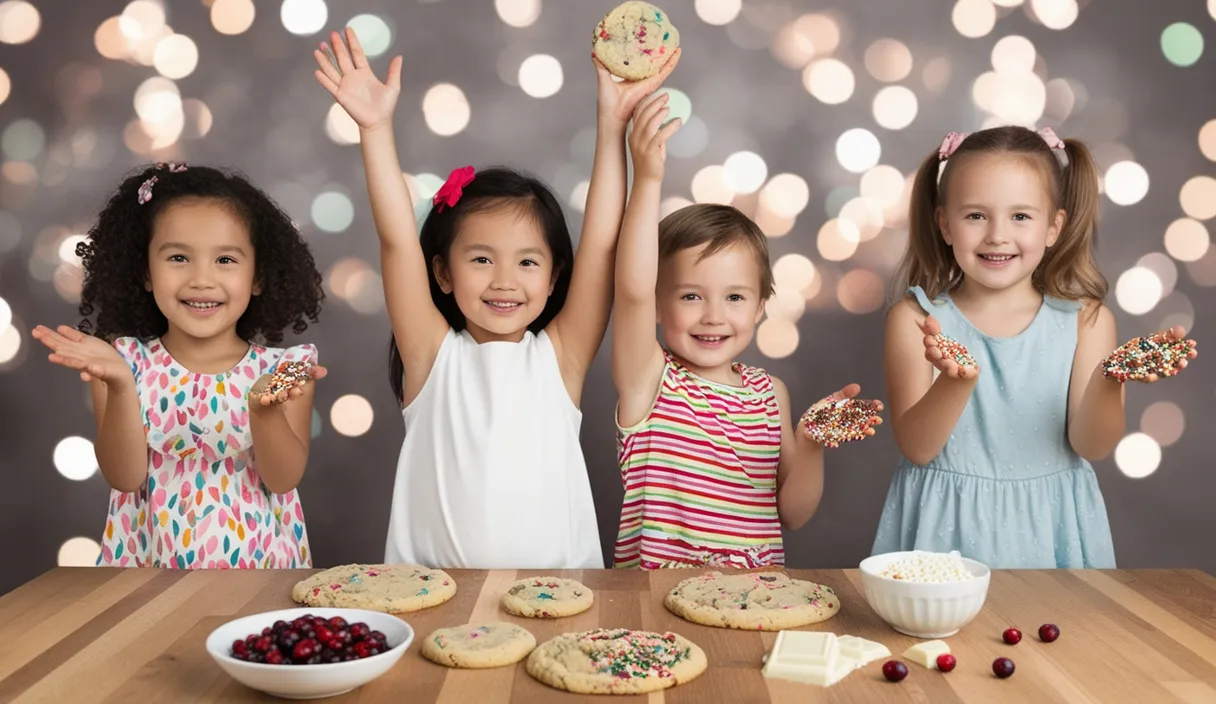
point(202, 305)
point(996, 257)
point(711, 339)
point(503, 305)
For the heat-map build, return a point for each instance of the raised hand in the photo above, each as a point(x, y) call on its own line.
point(947, 354)
point(92, 356)
point(368, 101)
point(648, 140)
point(1149, 358)
point(841, 418)
point(619, 99)
point(285, 383)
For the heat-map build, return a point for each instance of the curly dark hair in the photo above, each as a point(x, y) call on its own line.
point(115, 257)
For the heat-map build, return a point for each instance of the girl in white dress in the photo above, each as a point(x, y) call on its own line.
point(489, 356)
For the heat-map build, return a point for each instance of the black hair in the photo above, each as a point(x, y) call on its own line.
point(115, 256)
point(491, 189)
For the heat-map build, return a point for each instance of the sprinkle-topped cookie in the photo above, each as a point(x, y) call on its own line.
point(765, 601)
point(547, 597)
point(1142, 357)
point(390, 588)
point(616, 661)
point(634, 40)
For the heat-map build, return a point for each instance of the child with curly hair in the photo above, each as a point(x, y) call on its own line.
point(202, 432)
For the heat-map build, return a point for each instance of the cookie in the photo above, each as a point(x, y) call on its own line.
point(390, 588)
point(760, 601)
point(547, 597)
point(478, 646)
point(616, 661)
point(634, 40)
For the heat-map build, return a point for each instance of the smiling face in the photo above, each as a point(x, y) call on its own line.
point(500, 271)
point(201, 268)
point(999, 219)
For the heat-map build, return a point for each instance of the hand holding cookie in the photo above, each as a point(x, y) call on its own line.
point(286, 382)
point(354, 85)
point(618, 100)
point(842, 418)
point(1147, 359)
point(648, 140)
point(947, 354)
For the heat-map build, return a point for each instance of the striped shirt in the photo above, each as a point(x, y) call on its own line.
point(700, 474)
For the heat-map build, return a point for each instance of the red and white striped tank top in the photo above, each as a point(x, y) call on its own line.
point(700, 474)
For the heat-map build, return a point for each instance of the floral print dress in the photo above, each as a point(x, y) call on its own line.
point(204, 505)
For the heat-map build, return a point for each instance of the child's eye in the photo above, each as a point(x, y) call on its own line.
point(226, 260)
point(481, 260)
point(734, 298)
point(1021, 217)
point(689, 297)
point(177, 258)
point(529, 262)
point(975, 216)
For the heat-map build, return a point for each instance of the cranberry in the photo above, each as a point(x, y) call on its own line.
point(1048, 632)
point(305, 649)
point(343, 637)
point(301, 623)
point(256, 657)
point(362, 649)
point(1012, 636)
point(1002, 667)
point(241, 656)
point(946, 662)
point(267, 631)
point(274, 657)
point(324, 634)
point(262, 645)
point(331, 658)
point(378, 636)
point(894, 670)
point(359, 631)
point(337, 623)
point(239, 647)
point(314, 660)
point(288, 639)
point(280, 626)
point(347, 657)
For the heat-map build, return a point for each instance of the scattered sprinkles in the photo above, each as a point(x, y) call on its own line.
point(847, 420)
point(287, 376)
point(1142, 357)
point(627, 654)
point(953, 349)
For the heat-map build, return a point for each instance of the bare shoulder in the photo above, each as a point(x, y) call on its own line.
point(1095, 314)
point(904, 311)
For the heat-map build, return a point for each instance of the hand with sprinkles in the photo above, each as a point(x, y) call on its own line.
point(619, 99)
point(947, 354)
point(1147, 359)
point(841, 418)
point(351, 81)
point(286, 382)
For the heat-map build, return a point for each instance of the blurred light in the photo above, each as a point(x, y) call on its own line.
point(793, 271)
point(176, 56)
point(366, 292)
point(74, 458)
point(1006, 3)
point(837, 198)
point(1182, 44)
point(858, 150)
point(1164, 267)
point(745, 172)
point(518, 13)
point(772, 224)
point(777, 338)
point(446, 109)
point(1187, 240)
point(342, 274)
point(199, 117)
point(786, 195)
point(20, 173)
point(679, 105)
point(690, 140)
point(109, 39)
point(973, 18)
point(1177, 310)
point(1198, 197)
point(1061, 99)
point(1126, 183)
point(540, 76)
point(68, 281)
point(888, 60)
point(67, 252)
point(78, 552)
point(883, 184)
point(6, 315)
point(936, 74)
point(1013, 54)
point(1207, 135)
point(866, 215)
point(10, 343)
point(375, 36)
point(860, 292)
point(1055, 14)
point(6, 86)
point(232, 16)
point(895, 107)
point(1013, 98)
point(672, 204)
point(829, 80)
point(340, 126)
point(304, 17)
point(351, 415)
point(1164, 422)
point(578, 197)
point(1203, 272)
point(718, 12)
point(792, 47)
point(10, 233)
point(1212, 8)
point(142, 19)
point(709, 185)
point(332, 211)
point(19, 22)
point(1138, 290)
point(157, 100)
point(1137, 455)
point(22, 140)
point(823, 31)
point(837, 240)
point(785, 303)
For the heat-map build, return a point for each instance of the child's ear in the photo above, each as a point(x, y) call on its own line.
point(257, 288)
point(760, 312)
point(943, 224)
point(442, 275)
point(1057, 226)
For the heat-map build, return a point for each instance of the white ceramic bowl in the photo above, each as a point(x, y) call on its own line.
point(309, 681)
point(919, 609)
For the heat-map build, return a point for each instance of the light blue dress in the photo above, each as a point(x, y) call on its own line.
point(1007, 489)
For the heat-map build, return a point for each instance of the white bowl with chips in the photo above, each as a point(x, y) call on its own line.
point(309, 681)
point(923, 609)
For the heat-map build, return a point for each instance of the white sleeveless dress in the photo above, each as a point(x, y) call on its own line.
point(491, 473)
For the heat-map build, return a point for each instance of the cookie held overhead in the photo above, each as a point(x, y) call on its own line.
point(634, 40)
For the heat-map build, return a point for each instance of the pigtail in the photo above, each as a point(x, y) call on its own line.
point(928, 261)
point(1070, 267)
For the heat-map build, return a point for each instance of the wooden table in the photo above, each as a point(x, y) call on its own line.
point(113, 635)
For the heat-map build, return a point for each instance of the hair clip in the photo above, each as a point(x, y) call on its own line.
point(145, 190)
point(1049, 136)
point(950, 144)
point(174, 168)
point(450, 192)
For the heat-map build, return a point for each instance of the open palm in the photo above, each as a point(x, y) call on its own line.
point(352, 83)
point(89, 355)
point(618, 100)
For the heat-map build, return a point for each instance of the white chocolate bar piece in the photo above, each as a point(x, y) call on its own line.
point(925, 654)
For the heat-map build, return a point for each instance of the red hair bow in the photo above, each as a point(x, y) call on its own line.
point(450, 192)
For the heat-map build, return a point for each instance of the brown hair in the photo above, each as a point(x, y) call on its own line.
point(720, 226)
point(1069, 268)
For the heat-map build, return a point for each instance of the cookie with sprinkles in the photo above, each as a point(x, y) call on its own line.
point(634, 40)
point(390, 588)
point(1149, 358)
point(756, 601)
point(839, 421)
point(616, 661)
point(479, 646)
point(547, 597)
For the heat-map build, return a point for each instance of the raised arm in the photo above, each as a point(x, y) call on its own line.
point(417, 324)
point(637, 359)
point(579, 328)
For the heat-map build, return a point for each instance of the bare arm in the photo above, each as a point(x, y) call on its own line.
point(924, 411)
point(1095, 403)
point(281, 439)
point(121, 446)
point(800, 469)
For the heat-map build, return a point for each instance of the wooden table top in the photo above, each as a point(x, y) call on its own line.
point(121, 635)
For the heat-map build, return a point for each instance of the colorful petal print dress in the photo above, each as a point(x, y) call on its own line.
point(204, 505)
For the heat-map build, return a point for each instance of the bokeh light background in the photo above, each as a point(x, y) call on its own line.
point(810, 121)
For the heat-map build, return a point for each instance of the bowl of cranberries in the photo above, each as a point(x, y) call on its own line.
point(309, 653)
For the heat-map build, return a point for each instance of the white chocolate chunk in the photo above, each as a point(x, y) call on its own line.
point(925, 654)
point(861, 651)
point(807, 656)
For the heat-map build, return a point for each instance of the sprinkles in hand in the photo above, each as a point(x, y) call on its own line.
point(1142, 357)
point(954, 350)
point(286, 376)
point(832, 424)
